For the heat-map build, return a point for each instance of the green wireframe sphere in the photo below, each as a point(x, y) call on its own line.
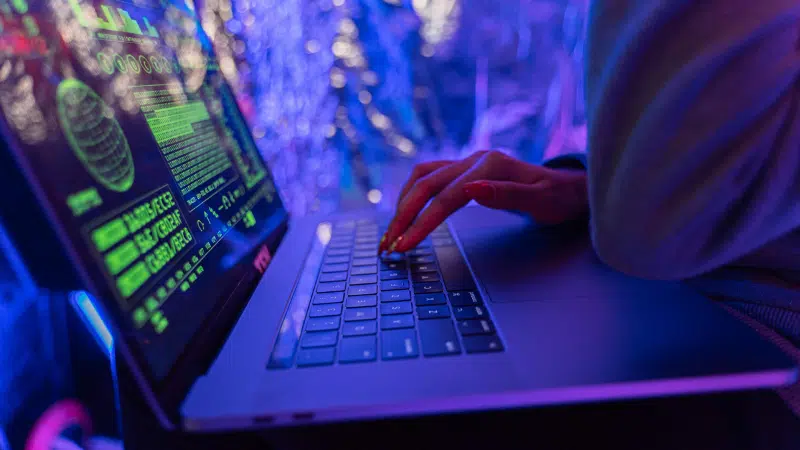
point(94, 135)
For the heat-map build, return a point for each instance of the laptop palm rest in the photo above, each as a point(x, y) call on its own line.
point(510, 255)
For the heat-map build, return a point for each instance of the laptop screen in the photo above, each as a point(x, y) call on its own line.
point(120, 117)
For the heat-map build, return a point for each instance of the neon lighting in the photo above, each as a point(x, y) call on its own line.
point(95, 322)
point(105, 63)
point(109, 234)
point(121, 21)
point(83, 201)
point(133, 279)
point(95, 136)
point(20, 5)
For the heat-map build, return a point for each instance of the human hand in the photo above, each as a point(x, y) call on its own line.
point(491, 178)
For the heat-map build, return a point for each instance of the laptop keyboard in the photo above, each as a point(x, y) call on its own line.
point(423, 303)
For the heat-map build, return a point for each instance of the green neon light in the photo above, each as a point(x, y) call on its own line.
point(108, 20)
point(145, 64)
point(31, 26)
point(132, 64)
point(108, 23)
point(95, 136)
point(83, 201)
point(150, 30)
point(20, 5)
point(161, 325)
point(133, 279)
point(176, 121)
point(139, 317)
point(109, 234)
point(151, 304)
point(105, 63)
point(129, 25)
point(120, 63)
point(155, 63)
point(122, 257)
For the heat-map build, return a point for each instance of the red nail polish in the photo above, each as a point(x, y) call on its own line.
point(480, 191)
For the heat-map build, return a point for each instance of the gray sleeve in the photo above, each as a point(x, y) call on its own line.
point(694, 131)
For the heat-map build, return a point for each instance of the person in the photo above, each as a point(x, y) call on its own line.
point(693, 166)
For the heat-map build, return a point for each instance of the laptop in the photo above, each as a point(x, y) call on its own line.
point(133, 176)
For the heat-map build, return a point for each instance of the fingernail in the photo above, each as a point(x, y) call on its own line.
point(395, 244)
point(383, 242)
point(480, 191)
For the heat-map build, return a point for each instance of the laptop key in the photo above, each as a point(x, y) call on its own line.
point(360, 328)
point(395, 296)
point(396, 322)
point(422, 259)
point(337, 260)
point(316, 357)
point(399, 344)
point(425, 277)
point(388, 309)
point(464, 298)
point(469, 312)
point(433, 312)
point(438, 338)
point(364, 261)
point(393, 265)
point(482, 344)
point(420, 252)
point(442, 241)
point(358, 349)
point(338, 252)
point(394, 256)
point(322, 324)
point(364, 270)
point(335, 286)
point(430, 299)
point(332, 309)
point(356, 314)
point(321, 339)
point(363, 279)
point(394, 285)
point(326, 268)
point(473, 327)
point(455, 272)
point(422, 268)
point(363, 254)
point(361, 301)
point(364, 289)
point(424, 288)
point(394, 275)
point(341, 245)
point(333, 276)
point(330, 297)
point(367, 248)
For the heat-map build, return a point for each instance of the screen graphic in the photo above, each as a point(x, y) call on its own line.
point(120, 115)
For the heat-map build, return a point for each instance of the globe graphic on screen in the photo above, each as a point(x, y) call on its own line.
point(94, 135)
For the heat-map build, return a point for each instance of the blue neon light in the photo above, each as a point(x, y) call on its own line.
point(91, 316)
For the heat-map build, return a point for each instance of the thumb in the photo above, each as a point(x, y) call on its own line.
point(504, 194)
point(537, 200)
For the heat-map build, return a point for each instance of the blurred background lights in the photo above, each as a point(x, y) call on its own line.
point(374, 196)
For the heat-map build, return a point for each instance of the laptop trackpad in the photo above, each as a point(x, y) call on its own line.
point(517, 261)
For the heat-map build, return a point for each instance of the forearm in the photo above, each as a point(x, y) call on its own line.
point(694, 131)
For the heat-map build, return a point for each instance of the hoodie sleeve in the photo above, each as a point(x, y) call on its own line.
point(694, 131)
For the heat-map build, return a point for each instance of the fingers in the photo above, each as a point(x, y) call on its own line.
point(452, 198)
point(420, 192)
point(507, 195)
point(550, 201)
point(418, 195)
point(420, 171)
